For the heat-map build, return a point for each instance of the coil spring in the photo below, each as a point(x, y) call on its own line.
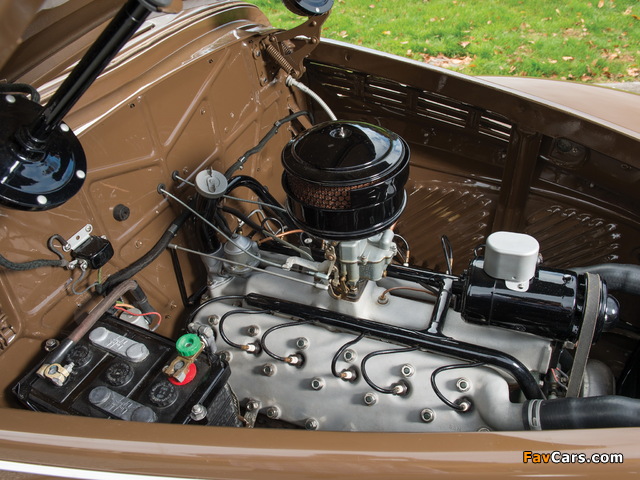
point(279, 59)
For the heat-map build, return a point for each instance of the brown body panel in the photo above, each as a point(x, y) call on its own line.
point(193, 452)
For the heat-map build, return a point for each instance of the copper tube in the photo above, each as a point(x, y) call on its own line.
point(281, 235)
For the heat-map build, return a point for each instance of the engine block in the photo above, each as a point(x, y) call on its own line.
point(309, 395)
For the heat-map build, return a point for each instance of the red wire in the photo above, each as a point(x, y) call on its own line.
point(142, 315)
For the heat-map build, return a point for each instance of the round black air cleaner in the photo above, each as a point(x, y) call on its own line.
point(345, 180)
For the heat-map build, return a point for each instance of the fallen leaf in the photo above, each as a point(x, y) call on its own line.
point(387, 32)
point(628, 11)
point(343, 34)
point(551, 60)
point(464, 44)
point(633, 72)
point(441, 60)
point(601, 4)
point(567, 59)
point(372, 6)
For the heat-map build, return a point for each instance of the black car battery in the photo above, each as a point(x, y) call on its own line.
point(119, 370)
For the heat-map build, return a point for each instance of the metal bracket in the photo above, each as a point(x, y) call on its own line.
point(251, 413)
point(78, 238)
point(289, 48)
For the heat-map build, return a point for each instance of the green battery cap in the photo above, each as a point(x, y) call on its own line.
point(188, 344)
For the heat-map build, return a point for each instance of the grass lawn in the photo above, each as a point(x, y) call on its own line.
point(583, 40)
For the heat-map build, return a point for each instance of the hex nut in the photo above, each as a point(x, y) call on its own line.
point(349, 355)
point(302, 343)
point(268, 369)
point(407, 370)
point(370, 399)
point(463, 384)
point(317, 383)
point(427, 415)
point(273, 412)
point(253, 330)
point(311, 424)
point(198, 412)
point(51, 344)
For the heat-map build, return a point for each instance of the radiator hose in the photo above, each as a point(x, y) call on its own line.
point(608, 411)
point(619, 277)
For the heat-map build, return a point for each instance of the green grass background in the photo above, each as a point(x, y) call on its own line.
point(582, 40)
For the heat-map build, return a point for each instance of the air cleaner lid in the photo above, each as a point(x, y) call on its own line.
point(345, 153)
point(345, 180)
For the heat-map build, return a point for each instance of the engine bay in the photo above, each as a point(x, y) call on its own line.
point(316, 319)
point(315, 293)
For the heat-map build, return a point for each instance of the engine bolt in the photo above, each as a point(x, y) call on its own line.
point(224, 355)
point(311, 424)
point(427, 415)
point(407, 370)
point(370, 399)
point(198, 412)
point(317, 383)
point(273, 412)
point(51, 344)
point(484, 429)
point(213, 320)
point(349, 355)
point(268, 369)
point(463, 385)
point(302, 343)
point(253, 330)
point(253, 405)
